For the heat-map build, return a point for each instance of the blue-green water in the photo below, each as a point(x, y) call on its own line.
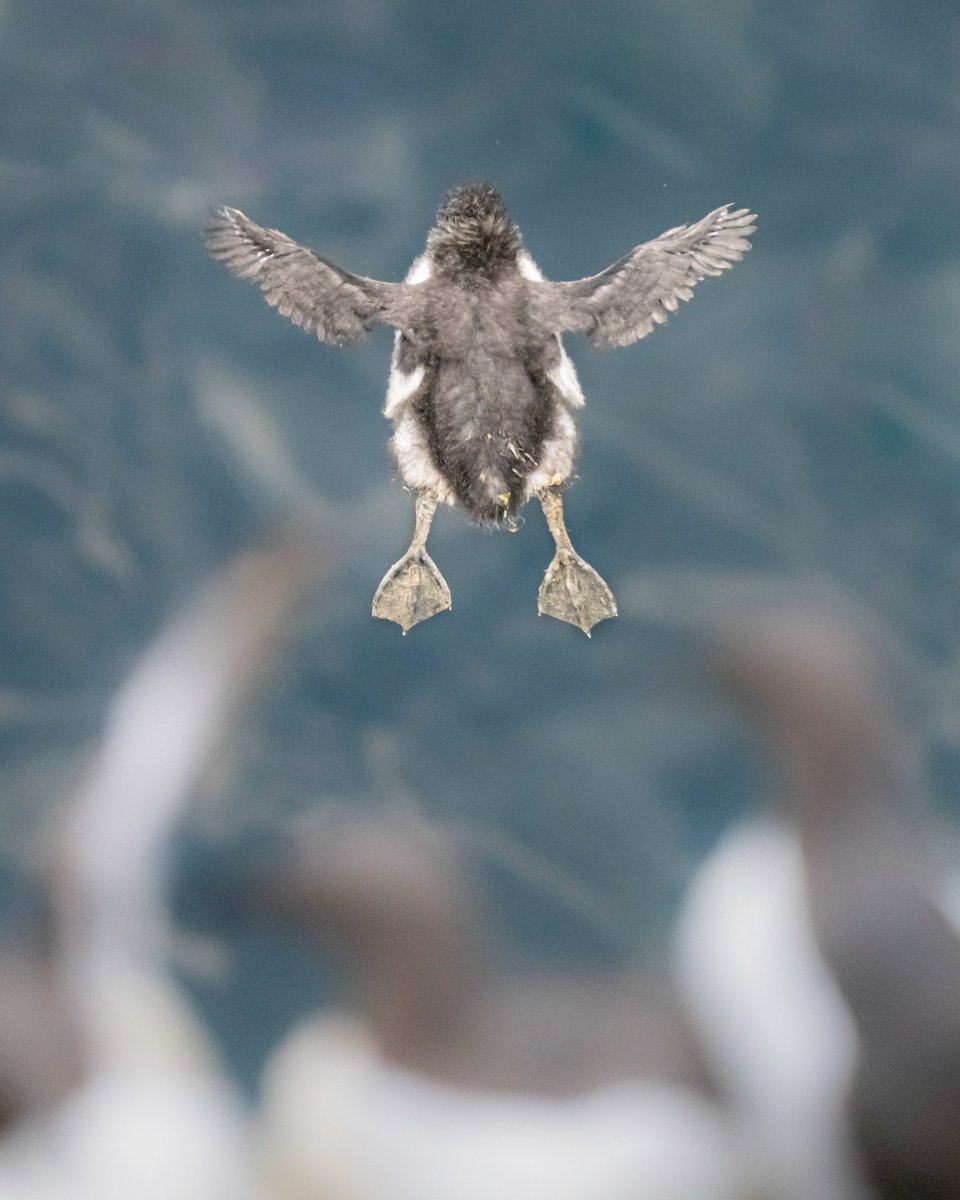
point(798, 421)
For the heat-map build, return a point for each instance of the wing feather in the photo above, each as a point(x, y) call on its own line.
point(625, 301)
point(314, 293)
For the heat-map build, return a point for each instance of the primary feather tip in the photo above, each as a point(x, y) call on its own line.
point(733, 226)
point(223, 233)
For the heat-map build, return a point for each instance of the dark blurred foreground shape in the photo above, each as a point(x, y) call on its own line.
point(822, 694)
point(810, 1049)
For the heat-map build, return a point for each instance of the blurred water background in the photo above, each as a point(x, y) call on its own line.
point(796, 423)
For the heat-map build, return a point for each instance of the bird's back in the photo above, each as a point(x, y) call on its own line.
point(487, 402)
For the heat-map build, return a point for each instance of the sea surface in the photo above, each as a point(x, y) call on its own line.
point(795, 427)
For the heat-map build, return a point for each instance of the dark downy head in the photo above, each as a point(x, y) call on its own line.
point(473, 231)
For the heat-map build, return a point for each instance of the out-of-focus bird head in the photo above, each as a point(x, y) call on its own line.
point(474, 232)
point(819, 678)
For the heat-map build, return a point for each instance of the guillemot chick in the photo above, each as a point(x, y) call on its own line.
point(481, 390)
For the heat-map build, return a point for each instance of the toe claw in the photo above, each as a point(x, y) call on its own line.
point(572, 591)
point(411, 591)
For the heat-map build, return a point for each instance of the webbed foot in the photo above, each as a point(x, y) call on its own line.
point(412, 591)
point(573, 591)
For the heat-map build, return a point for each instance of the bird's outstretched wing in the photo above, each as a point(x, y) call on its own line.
point(624, 302)
point(313, 293)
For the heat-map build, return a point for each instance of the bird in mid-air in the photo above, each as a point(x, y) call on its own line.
point(481, 390)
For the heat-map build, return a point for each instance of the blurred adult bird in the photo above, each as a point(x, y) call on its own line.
point(820, 964)
point(109, 1081)
point(481, 391)
point(457, 1080)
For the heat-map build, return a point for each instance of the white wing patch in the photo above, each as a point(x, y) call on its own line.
point(564, 374)
point(401, 386)
point(420, 269)
point(564, 378)
point(526, 266)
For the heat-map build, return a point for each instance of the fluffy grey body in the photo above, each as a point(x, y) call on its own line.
point(481, 403)
point(482, 393)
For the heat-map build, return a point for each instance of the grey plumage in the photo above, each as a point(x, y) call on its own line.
point(623, 303)
point(313, 293)
point(481, 390)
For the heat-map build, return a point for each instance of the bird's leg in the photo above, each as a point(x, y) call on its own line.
point(571, 589)
point(413, 589)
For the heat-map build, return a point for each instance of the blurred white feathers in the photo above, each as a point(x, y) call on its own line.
point(154, 1117)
